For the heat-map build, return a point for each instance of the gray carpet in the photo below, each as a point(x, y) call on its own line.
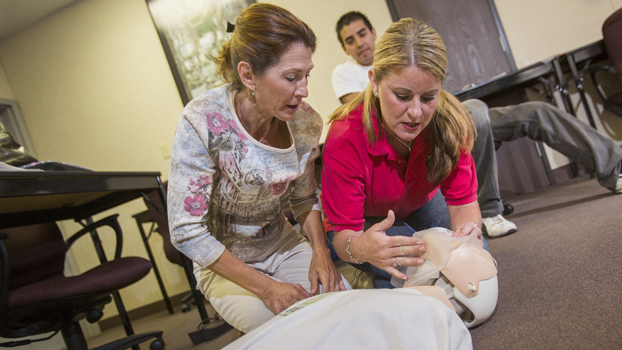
point(559, 278)
point(560, 274)
point(175, 327)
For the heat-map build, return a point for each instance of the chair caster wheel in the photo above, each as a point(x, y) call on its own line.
point(184, 308)
point(508, 209)
point(157, 344)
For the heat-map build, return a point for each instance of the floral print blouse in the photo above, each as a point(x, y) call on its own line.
point(226, 190)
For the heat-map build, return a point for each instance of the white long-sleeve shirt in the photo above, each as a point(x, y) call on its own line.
point(226, 190)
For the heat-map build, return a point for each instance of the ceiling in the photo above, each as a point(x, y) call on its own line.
point(16, 15)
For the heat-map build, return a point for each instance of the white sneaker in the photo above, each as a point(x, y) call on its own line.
point(498, 226)
point(618, 185)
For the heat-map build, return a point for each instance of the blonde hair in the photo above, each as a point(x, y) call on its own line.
point(263, 32)
point(413, 43)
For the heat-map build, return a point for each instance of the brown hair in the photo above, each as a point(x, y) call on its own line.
point(263, 32)
point(413, 43)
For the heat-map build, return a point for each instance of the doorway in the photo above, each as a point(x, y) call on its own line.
point(11, 118)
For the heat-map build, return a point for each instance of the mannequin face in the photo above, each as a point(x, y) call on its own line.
point(359, 42)
point(407, 100)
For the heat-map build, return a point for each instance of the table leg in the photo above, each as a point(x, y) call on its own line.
point(578, 78)
point(156, 272)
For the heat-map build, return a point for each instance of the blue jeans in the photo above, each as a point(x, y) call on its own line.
point(433, 214)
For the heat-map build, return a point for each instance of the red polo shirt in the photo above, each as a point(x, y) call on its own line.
point(360, 180)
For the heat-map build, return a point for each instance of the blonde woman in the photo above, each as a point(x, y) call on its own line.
point(389, 152)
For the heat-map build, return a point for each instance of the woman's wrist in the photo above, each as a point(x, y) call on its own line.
point(466, 223)
point(320, 249)
point(349, 251)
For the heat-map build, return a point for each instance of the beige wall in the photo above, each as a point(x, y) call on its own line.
point(5, 87)
point(94, 88)
point(94, 71)
point(539, 29)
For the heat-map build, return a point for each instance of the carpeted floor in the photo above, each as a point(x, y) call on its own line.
point(175, 327)
point(560, 278)
point(560, 275)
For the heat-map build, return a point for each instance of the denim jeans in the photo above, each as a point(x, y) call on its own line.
point(433, 214)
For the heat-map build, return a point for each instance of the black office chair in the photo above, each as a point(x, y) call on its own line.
point(612, 38)
point(36, 297)
point(209, 328)
point(155, 213)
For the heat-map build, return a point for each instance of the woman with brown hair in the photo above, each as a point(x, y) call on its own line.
point(391, 149)
point(243, 151)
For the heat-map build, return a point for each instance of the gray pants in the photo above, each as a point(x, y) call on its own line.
point(539, 121)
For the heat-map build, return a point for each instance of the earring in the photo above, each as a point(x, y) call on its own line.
point(253, 92)
point(376, 94)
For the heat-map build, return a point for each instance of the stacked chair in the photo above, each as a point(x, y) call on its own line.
point(612, 38)
point(208, 328)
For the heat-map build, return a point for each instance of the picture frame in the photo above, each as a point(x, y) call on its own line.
point(191, 33)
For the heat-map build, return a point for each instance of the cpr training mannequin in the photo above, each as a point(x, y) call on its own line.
point(454, 289)
point(457, 271)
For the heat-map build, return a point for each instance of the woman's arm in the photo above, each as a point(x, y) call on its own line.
point(322, 269)
point(304, 206)
point(375, 247)
point(465, 219)
point(190, 186)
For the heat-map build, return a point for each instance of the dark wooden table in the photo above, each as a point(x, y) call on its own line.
point(31, 197)
point(512, 82)
point(523, 78)
point(554, 69)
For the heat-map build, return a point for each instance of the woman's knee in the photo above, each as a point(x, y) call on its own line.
point(433, 214)
point(535, 113)
point(243, 312)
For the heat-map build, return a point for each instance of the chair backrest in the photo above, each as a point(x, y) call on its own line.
point(156, 209)
point(36, 297)
point(35, 252)
point(612, 38)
